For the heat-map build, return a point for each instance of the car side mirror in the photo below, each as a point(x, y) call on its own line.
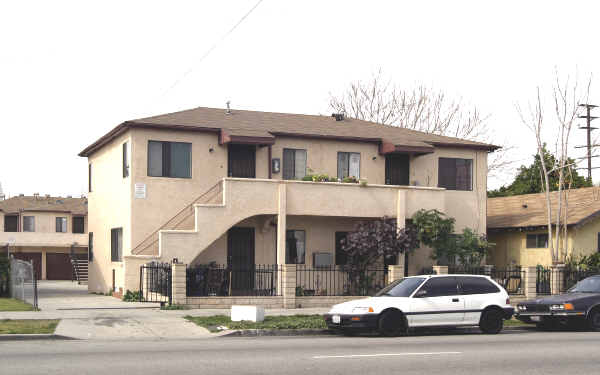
point(421, 293)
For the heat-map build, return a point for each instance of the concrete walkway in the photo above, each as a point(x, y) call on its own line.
point(97, 317)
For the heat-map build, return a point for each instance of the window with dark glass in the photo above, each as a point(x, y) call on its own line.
point(294, 164)
point(476, 285)
point(295, 246)
point(348, 164)
point(537, 241)
point(116, 244)
point(78, 224)
point(90, 246)
point(455, 174)
point(89, 178)
point(11, 223)
point(341, 257)
point(61, 224)
point(169, 159)
point(28, 224)
point(125, 160)
point(440, 287)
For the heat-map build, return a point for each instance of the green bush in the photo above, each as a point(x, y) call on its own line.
point(132, 296)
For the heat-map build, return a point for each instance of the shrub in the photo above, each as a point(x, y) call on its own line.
point(134, 296)
point(350, 180)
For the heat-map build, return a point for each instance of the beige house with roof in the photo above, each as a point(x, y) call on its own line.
point(226, 186)
point(50, 231)
point(518, 227)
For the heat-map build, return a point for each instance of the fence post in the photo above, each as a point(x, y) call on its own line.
point(288, 285)
point(178, 283)
point(440, 270)
point(395, 273)
point(530, 282)
point(556, 278)
point(488, 269)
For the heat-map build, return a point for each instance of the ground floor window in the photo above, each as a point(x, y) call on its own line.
point(537, 241)
point(295, 246)
point(116, 244)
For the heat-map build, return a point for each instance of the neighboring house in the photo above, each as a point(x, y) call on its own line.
point(518, 227)
point(228, 183)
point(45, 230)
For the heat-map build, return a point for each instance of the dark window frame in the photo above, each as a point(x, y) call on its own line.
point(125, 160)
point(60, 219)
point(448, 176)
point(538, 238)
point(288, 258)
point(166, 148)
point(14, 221)
point(32, 224)
point(116, 245)
point(295, 176)
point(75, 225)
point(347, 167)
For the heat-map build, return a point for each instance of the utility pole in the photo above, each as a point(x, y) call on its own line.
point(588, 116)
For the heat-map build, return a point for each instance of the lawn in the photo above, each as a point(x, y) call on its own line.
point(271, 322)
point(12, 304)
point(28, 326)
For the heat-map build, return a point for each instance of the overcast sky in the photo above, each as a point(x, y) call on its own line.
point(72, 70)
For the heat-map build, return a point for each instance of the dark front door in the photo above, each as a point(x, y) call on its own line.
point(240, 259)
point(396, 169)
point(242, 161)
point(37, 261)
point(58, 266)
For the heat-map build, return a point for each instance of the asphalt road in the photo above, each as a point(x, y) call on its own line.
point(457, 353)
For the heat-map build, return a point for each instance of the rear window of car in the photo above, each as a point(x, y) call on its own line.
point(476, 285)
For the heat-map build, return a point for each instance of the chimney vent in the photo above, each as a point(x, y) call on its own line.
point(228, 111)
point(338, 116)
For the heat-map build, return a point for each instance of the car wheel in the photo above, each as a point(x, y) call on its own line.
point(491, 321)
point(594, 319)
point(391, 323)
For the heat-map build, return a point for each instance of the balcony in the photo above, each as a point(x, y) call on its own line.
point(43, 239)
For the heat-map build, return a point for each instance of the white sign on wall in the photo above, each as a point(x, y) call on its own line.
point(140, 191)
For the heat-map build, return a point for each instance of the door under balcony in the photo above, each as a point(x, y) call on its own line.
point(240, 259)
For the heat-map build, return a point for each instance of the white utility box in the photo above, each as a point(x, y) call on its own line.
point(248, 313)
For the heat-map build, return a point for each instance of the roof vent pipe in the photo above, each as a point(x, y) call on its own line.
point(228, 111)
point(338, 116)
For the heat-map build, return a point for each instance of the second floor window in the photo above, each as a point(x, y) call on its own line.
point(28, 224)
point(116, 244)
point(78, 224)
point(295, 246)
point(348, 164)
point(455, 174)
point(169, 159)
point(61, 225)
point(537, 241)
point(11, 223)
point(294, 164)
point(89, 178)
point(125, 159)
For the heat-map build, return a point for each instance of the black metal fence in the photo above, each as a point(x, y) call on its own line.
point(156, 283)
point(554, 281)
point(511, 279)
point(221, 280)
point(339, 281)
point(543, 281)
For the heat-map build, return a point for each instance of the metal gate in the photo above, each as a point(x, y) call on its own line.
point(23, 282)
point(155, 283)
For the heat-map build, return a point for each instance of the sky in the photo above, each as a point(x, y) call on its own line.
point(70, 71)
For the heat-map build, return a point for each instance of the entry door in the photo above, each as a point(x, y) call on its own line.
point(240, 259)
point(440, 305)
point(58, 266)
point(396, 169)
point(242, 161)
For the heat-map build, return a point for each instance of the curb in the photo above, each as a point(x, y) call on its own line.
point(30, 337)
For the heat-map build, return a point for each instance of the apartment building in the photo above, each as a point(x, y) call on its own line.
point(226, 186)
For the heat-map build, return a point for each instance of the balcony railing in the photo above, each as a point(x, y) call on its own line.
point(43, 239)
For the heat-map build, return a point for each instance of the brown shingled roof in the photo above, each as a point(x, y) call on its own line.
point(529, 210)
point(267, 125)
point(75, 206)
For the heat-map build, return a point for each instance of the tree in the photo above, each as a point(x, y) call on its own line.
point(528, 179)
point(374, 241)
point(422, 108)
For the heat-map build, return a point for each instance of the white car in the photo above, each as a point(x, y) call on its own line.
point(426, 301)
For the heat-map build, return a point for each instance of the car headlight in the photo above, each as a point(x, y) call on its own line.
point(522, 308)
point(362, 310)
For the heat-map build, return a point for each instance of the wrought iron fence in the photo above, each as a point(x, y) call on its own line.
point(23, 282)
point(222, 280)
point(339, 281)
point(155, 283)
point(543, 280)
point(571, 276)
point(427, 271)
point(511, 279)
point(467, 270)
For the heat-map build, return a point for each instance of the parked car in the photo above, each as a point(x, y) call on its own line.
point(580, 304)
point(426, 301)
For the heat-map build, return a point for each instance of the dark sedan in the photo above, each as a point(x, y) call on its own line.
point(578, 306)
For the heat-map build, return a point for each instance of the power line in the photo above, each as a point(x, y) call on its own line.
point(212, 48)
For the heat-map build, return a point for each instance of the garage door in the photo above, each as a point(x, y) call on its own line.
point(37, 261)
point(58, 266)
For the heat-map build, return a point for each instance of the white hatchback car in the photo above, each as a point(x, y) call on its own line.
point(426, 301)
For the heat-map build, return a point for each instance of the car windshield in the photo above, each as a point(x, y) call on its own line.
point(401, 288)
point(589, 285)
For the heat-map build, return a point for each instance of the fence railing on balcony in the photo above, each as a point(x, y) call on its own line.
point(208, 280)
point(339, 281)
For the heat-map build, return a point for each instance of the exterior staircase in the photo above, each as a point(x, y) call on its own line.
point(79, 262)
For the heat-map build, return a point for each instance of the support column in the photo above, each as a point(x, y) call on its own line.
point(530, 282)
point(557, 274)
point(43, 265)
point(178, 284)
point(288, 285)
point(440, 270)
point(396, 272)
point(401, 209)
point(281, 222)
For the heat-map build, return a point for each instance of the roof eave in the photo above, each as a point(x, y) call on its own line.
point(481, 147)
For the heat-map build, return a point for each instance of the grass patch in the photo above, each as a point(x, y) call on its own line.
point(12, 304)
point(271, 322)
point(28, 326)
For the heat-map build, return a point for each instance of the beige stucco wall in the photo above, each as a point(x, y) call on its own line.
point(109, 206)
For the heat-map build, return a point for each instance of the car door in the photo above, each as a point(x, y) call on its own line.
point(437, 303)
